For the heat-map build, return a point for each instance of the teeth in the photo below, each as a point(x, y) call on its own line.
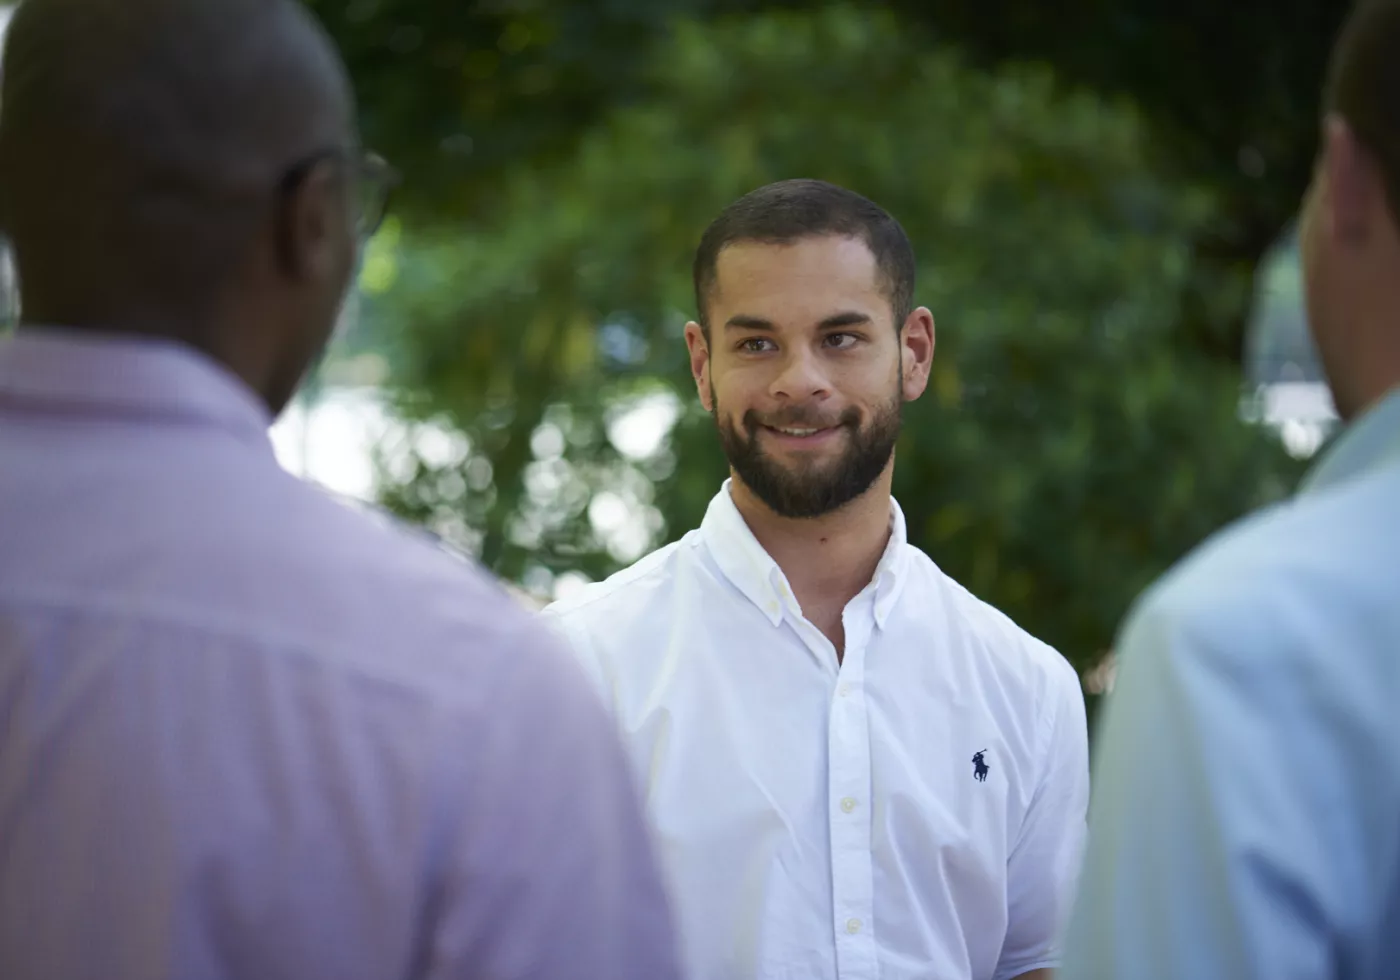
point(798, 432)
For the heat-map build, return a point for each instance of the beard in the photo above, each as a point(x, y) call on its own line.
point(813, 487)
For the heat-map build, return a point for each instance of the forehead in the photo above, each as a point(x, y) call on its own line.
point(809, 278)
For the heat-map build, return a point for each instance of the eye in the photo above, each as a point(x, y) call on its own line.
point(756, 345)
point(841, 341)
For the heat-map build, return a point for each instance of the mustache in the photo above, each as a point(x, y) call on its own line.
point(801, 418)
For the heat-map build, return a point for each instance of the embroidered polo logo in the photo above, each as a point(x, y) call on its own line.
point(980, 767)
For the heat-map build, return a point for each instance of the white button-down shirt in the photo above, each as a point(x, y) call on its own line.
point(1246, 822)
point(246, 732)
point(915, 811)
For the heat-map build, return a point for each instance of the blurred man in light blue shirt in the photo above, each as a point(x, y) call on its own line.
point(245, 732)
point(1246, 821)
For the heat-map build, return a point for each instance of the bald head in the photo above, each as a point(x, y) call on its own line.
point(146, 147)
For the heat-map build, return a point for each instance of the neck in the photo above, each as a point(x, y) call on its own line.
point(201, 333)
point(1377, 377)
point(116, 321)
point(827, 559)
point(1367, 367)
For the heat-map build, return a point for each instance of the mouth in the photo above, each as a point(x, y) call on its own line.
point(801, 436)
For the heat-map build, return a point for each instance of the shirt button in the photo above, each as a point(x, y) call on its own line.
point(848, 804)
point(844, 690)
point(853, 926)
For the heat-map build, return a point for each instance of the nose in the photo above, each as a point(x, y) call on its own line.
point(800, 378)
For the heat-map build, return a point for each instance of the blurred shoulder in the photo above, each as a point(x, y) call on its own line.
point(375, 592)
point(1283, 579)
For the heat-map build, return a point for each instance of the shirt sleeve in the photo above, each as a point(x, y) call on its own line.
point(1223, 835)
point(1045, 860)
point(549, 872)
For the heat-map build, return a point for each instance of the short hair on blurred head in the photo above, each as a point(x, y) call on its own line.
point(139, 138)
point(1363, 86)
point(793, 210)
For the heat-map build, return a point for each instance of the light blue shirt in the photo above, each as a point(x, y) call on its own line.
point(1246, 814)
point(247, 732)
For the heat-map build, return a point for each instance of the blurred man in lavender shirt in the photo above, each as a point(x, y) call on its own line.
point(244, 731)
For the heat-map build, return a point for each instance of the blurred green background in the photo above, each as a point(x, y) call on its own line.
point(1100, 195)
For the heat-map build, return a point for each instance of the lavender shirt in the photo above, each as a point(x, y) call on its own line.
point(247, 732)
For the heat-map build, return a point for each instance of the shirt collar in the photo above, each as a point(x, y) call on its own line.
point(137, 377)
point(754, 572)
point(1371, 441)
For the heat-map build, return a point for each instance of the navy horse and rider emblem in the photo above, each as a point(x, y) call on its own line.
point(980, 767)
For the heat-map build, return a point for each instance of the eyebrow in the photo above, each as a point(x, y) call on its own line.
point(850, 318)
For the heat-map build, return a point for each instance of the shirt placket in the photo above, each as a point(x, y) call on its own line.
point(849, 808)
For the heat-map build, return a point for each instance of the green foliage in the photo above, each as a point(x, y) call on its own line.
point(1067, 450)
point(460, 93)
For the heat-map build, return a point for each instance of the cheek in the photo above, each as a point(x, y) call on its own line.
point(735, 386)
point(353, 259)
point(1313, 244)
point(1315, 270)
point(870, 383)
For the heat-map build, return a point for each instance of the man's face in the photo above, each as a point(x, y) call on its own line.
point(1316, 256)
point(804, 371)
point(321, 255)
point(1349, 250)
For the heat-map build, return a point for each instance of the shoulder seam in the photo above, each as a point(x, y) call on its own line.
point(606, 589)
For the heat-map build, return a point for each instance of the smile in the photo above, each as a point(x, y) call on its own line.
point(801, 434)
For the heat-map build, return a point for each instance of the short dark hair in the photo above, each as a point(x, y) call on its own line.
point(793, 210)
point(1363, 86)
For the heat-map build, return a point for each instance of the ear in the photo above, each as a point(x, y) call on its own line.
point(314, 234)
point(1352, 191)
point(916, 346)
point(699, 348)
